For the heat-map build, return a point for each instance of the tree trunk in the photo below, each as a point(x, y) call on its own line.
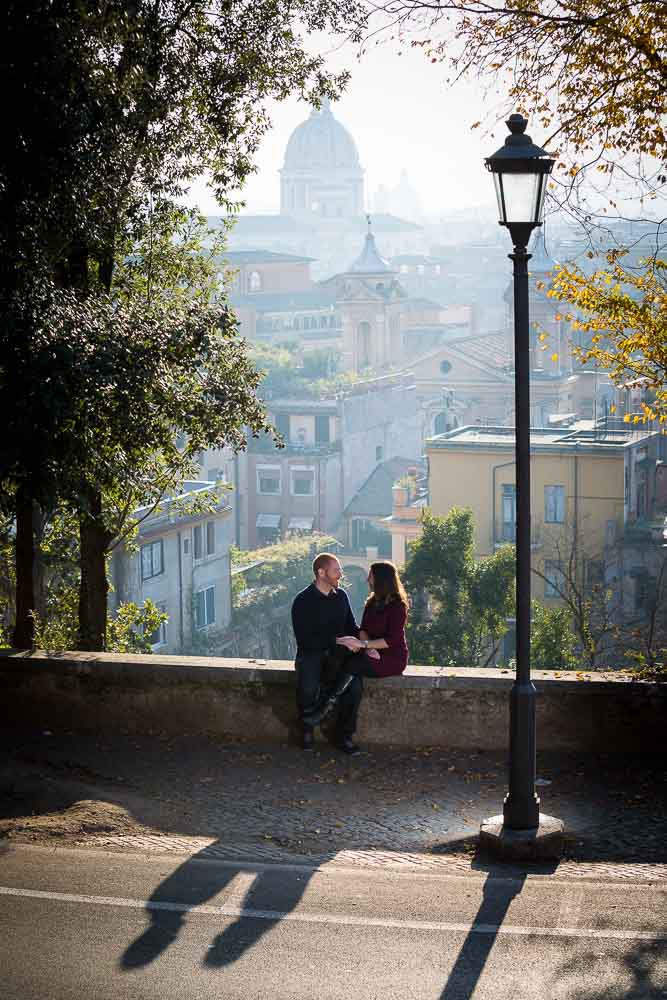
point(39, 570)
point(23, 636)
point(94, 586)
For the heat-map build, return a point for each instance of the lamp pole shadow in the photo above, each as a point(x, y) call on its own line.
point(480, 939)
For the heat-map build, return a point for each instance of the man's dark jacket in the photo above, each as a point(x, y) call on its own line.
point(319, 619)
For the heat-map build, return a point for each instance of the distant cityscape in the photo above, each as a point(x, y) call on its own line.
point(394, 332)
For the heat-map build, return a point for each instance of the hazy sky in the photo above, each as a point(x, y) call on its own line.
point(401, 114)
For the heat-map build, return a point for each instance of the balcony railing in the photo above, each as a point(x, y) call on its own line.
point(265, 446)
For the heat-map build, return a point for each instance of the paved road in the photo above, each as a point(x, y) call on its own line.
point(78, 924)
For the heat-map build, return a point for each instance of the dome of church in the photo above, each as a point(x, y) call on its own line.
point(321, 141)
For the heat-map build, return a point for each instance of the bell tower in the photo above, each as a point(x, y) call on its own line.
point(369, 301)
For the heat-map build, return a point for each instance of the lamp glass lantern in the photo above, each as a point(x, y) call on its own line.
point(520, 170)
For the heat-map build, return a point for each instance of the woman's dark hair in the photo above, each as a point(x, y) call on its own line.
point(387, 586)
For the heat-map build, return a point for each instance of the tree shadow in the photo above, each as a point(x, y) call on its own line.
point(645, 965)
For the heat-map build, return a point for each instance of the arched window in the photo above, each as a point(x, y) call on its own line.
point(445, 367)
point(297, 323)
point(254, 281)
point(323, 322)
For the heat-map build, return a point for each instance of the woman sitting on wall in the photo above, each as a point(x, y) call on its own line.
point(381, 649)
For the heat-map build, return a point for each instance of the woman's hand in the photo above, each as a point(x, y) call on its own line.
point(373, 654)
point(350, 642)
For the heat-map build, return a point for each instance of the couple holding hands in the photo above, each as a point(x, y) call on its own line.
point(327, 636)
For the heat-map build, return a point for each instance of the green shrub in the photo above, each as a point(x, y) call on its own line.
point(552, 640)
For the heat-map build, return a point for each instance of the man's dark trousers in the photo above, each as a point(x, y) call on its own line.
point(308, 679)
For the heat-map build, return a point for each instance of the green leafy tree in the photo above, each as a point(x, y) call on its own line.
point(7, 579)
point(130, 376)
point(130, 630)
point(552, 640)
point(320, 364)
point(278, 366)
point(286, 373)
point(117, 109)
point(264, 583)
point(459, 606)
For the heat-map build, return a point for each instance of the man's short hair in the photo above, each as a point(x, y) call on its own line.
point(319, 562)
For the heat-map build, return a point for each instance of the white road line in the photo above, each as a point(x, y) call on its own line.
point(337, 918)
point(570, 905)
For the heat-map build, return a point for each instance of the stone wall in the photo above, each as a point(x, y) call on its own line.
point(254, 701)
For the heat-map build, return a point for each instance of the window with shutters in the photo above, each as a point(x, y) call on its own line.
point(554, 504)
point(508, 511)
point(152, 562)
point(322, 430)
point(197, 541)
point(554, 584)
point(205, 607)
point(268, 479)
point(303, 482)
point(159, 636)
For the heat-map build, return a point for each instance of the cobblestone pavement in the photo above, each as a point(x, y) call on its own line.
point(192, 795)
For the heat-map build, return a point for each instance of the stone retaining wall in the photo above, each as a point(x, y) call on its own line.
point(254, 701)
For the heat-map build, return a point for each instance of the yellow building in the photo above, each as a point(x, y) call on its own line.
point(577, 491)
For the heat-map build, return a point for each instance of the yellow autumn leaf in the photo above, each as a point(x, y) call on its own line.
point(612, 408)
point(626, 418)
point(554, 357)
point(542, 337)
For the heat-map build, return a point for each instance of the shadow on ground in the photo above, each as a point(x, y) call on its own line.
point(77, 787)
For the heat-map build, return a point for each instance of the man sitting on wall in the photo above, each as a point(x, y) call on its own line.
point(320, 614)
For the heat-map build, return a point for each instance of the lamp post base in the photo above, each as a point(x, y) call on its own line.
point(541, 843)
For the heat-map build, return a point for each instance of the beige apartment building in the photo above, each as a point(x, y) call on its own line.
point(577, 490)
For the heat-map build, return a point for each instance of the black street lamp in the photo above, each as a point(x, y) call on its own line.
point(520, 172)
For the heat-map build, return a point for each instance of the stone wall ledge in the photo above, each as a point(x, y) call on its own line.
point(253, 700)
point(219, 669)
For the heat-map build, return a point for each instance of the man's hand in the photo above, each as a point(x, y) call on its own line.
point(356, 646)
point(350, 642)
